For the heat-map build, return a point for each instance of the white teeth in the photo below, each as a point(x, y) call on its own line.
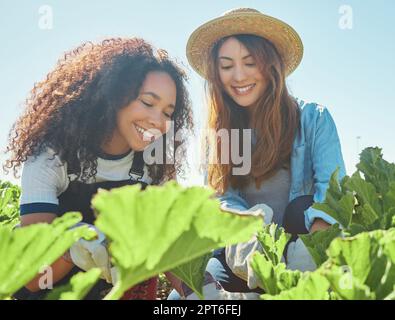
point(144, 132)
point(244, 89)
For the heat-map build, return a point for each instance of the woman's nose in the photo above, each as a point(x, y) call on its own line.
point(239, 74)
point(156, 120)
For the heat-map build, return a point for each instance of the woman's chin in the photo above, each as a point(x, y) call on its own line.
point(245, 102)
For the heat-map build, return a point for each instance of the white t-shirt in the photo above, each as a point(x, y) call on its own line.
point(44, 179)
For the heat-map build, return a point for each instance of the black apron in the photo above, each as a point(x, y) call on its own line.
point(77, 197)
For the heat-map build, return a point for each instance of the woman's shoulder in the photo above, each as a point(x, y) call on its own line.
point(311, 110)
point(314, 115)
point(47, 158)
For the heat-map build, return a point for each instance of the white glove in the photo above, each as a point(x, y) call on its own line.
point(92, 254)
point(114, 275)
point(299, 258)
point(260, 209)
point(238, 256)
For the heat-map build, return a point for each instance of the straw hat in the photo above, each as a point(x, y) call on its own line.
point(244, 21)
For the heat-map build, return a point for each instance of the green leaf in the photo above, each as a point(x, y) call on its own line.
point(369, 205)
point(391, 296)
point(389, 208)
point(346, 286)
point(318, 242)
point(338, 203)
point(273, 278)
point(78, 287)
point(389, 197)
point(355, 228)
point(192, 273)
point(9, 204)
point(161, 228)
point(273, 241)
point(25, 251)
point(388, 243)
point(368, 257)
point(376, 170)
point(312, 286)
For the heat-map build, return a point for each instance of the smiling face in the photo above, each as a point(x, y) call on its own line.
point(239, 73)
point(145, 118)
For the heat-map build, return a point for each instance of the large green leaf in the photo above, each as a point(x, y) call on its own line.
point(368, 257)
point(318, 242)
point(77, 288)
point(161, 228)
point(25, 251)
point(346, 286)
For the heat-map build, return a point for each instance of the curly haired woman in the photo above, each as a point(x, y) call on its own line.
point(85, 127)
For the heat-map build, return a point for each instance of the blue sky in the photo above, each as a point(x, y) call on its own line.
point(349, 71)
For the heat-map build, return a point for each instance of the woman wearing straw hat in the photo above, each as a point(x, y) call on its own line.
point(245, 56)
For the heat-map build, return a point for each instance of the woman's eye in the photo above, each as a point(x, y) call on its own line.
point(250, 64)
point(146, 103)
point(226, 67)
point(167, 115)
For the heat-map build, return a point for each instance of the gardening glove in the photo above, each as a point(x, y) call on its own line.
point(260, 209)
point(212, 290)
point(238, 257)
point(114, 275)
point(299, 258)
point(92, 254)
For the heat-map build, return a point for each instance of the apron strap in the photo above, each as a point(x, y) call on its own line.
point(136, 172)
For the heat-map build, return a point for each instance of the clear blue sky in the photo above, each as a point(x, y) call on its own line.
point(349, 71)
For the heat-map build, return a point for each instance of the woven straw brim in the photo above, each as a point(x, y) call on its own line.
point(284, 37)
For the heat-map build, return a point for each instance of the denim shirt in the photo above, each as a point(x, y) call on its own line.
point(316, 153)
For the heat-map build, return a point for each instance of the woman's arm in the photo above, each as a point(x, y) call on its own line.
point(233, 200)
point(326, 157)
point(61, 267)
point(319, 225)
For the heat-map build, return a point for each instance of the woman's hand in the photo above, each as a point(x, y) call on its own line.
point(319, 225)
point(93, 254)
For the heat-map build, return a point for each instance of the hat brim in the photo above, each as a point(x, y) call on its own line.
point(281, 35)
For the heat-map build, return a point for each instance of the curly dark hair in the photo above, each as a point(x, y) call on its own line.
point(74, 109)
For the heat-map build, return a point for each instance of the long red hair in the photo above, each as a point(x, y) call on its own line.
point(275, 119)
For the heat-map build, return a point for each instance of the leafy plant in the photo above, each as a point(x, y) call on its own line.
point(363, 203)
point(363, 267)
point(318, 242)
point(274, 278)
point(77, 288)
point(358, 268)
point(311, 286)
point(268, 265)
point(359, 203)
point(356, 259)
point(25, 251)
point(273, 241)
point(9, 204)
point(165, 228)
